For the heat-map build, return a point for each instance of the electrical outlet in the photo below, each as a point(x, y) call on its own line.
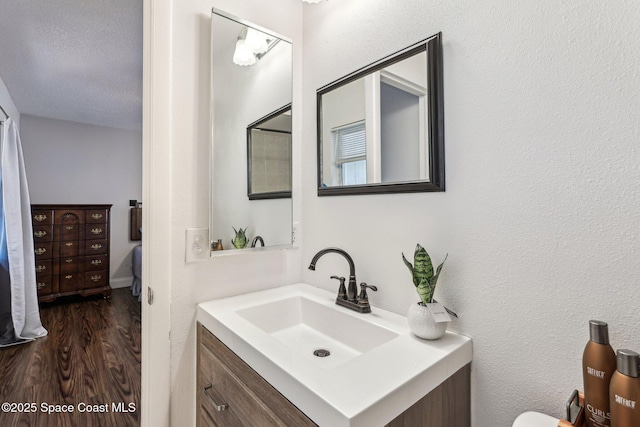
point(197, 244)
point(296, 231)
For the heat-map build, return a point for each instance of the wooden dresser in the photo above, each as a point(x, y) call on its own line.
point(71, 244)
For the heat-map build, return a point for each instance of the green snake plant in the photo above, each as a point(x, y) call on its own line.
point(422, 272)
point(240, 241)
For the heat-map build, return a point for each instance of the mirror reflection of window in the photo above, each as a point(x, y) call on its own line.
point(350, 154)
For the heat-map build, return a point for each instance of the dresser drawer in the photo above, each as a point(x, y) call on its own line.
point(43, 251)
point(96, 231)
point(68, 216)
point(42, 216)
point(70, 282)
point(68, 232)
point(44, 285)
point(95, 279)
point(96, 216)
point(95, 262)
point(69, 249)
point(42, 233)
point(44, 267)
point(71, 265)
point(96, 247)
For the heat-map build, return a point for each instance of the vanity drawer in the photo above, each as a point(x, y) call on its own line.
point(69, 249)
point(68, 216)
point(43, 251)
point(70, 282)
point(251, 399)
point(44, 285)
point(71, 265)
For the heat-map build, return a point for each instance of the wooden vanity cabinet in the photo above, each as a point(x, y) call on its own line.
point(71, 245)
point(225, 379)
point(231, 394)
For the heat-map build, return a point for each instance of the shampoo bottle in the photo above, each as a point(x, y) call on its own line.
point(598, 365)
point(624, 391)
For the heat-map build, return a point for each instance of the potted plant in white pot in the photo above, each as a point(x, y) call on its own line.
point(420, 319)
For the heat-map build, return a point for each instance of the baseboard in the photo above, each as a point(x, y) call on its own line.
point(123, 282)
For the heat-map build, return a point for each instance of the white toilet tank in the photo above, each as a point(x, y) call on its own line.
point(535, 419)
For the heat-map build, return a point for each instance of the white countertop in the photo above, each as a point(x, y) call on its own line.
point(368, 390)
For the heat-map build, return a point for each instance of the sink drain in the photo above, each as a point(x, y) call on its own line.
point(321, 352)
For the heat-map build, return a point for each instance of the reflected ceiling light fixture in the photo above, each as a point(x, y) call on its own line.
point(252, 45)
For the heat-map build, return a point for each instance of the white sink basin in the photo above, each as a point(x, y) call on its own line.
point(308, 327)
point(376, 368)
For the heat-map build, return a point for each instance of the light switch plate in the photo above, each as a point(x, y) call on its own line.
point(197, 244)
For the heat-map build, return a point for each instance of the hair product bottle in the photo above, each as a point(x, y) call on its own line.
point(624, 391)
point(598, 365)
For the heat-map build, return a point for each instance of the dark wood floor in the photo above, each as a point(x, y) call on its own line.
point(90, 360)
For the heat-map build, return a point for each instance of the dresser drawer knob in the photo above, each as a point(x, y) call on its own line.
point(96, 216)
point(40, 217)
point(41, 268)
point(68, 260)
point(69, 276)
point(40, 233)
point(69, 227)
point(69, 244)
point(219, 406)
point(96, 278)
point(96, 246)
point(40, 251)
point(96, 261)
point(41, 285)
point(96, 230)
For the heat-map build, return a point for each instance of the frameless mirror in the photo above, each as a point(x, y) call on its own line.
point(381, 128)
point(251, 92)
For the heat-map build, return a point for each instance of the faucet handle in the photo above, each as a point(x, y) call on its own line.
point(363, 298)
point(342, 290)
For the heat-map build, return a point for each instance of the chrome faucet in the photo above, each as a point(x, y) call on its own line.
point(347, 297)
point(255, 241)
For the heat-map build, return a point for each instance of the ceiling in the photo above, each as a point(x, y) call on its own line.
point(75, 60)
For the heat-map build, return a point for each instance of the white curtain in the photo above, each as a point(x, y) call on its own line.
point(19, 313)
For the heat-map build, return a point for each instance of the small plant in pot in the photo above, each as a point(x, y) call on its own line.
point(420, 320)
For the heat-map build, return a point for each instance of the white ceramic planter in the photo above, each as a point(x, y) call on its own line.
point(422, 324)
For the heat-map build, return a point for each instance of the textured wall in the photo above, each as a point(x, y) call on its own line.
point(542, 208)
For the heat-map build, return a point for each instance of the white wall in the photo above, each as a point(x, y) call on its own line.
point(70, 162)
point(189, 176)
point(7, 103)
point(542, 210)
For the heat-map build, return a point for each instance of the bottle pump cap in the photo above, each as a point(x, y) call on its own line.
point(599, 331)
point(628, 363)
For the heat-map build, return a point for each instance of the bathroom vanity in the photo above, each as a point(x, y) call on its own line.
point(260, 363)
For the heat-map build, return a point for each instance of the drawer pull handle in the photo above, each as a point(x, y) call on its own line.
point(96, 230)
point(40, 233)
point(70, 276)
point(96, 216)
point(41, 268)
point(96, 246)
point(96, 262)
point(40, 217)
point(69, 260)
point(96, 278)
point(69, 227)
point(219, 407)
point(41, 285)
point(40, 251)
point(69, 244)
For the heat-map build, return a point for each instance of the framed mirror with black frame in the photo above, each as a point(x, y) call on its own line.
point(381, 128)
